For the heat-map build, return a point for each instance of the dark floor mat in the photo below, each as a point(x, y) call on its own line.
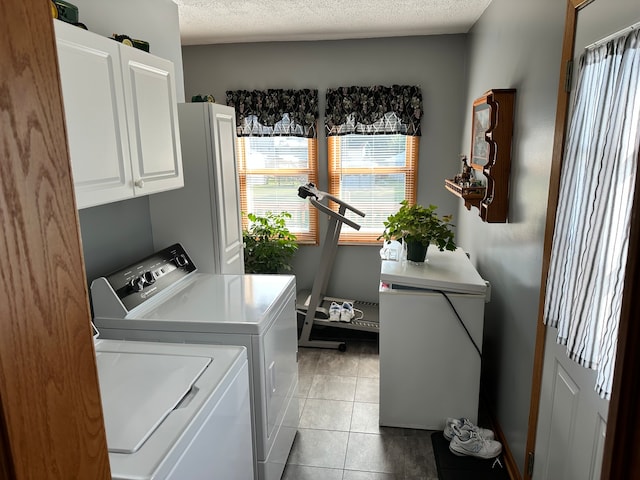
point(453, 467)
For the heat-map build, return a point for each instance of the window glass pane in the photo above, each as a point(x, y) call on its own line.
point(277, 193)
point(373, 151)
point(276, 153)
point(374, 173)
point(271, 169)
point(377, 195)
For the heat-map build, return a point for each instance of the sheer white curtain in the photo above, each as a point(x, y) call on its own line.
point(589, 252)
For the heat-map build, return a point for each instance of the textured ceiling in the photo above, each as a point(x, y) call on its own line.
point(233, 21)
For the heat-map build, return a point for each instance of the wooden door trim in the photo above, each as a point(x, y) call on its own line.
point(51, 422)
point(620, 460)
point(562, 106)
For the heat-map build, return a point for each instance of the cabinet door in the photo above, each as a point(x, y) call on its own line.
point(96, 121)
point(227, 190)
point(151, 105)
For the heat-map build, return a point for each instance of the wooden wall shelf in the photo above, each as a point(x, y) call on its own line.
point(472, 196)
point(491, 134)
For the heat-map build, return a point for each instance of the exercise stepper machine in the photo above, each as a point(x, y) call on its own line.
point(314, 305)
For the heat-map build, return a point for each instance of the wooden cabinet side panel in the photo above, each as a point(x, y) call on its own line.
point(49, 396)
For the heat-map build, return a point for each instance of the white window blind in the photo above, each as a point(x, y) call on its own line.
point(374, 173)
point(271, 169)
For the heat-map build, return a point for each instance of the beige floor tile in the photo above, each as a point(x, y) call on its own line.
point(354, 475)
point(365, 418)
point(369, 366)
point(332, 362)
point(301, 402)
point(339, 437)
point(375, 453)
point(367, 390)
point(304, 384)
point(333, 387)
point(319, 448)
point(326, 414)
point(301, 472)
point(307, 360)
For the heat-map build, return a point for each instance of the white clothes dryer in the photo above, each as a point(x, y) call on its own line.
point(174, 412)
point(163, 298)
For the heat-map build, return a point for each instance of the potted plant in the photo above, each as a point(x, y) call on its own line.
point(418, 227)
point(268, 243)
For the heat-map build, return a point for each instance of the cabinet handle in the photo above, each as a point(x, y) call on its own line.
point(139, 183)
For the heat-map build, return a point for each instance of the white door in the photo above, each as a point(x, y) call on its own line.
point(95, 115)
point(152, 114)
point(227, 202)
point(572, 420)
point(572, 417)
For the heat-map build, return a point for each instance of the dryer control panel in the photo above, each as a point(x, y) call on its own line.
point(138, 282)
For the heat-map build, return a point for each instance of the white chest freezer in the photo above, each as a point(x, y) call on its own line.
point(431, 326)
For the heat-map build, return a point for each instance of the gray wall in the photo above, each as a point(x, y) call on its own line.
point(115, 235)
point(155, 21)
point(435, 63)
point(516, 44)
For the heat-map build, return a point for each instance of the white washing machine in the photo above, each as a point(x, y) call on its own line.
point(163, 298)
point(174, 412)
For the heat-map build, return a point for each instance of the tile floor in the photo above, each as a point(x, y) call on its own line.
point(339, 437)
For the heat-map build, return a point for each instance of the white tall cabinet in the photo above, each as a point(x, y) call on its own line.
point(204, 216)
point(121, 115)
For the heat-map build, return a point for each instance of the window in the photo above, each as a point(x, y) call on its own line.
point(277, 153)
point(374, 173)
point(271, 169)
point(373, 139)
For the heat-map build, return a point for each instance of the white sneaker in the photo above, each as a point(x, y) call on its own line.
point(465, 424)
point(468, 442)
point(335, 312)
point(347, 313)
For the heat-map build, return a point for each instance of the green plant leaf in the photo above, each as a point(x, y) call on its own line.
point(268, 243)
point(420, 224)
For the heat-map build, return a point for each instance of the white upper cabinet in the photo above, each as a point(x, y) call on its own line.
point(93, 97)
point(121, 114)
point(152, 116)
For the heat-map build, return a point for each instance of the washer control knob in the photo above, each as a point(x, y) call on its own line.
point(148, 277)
point(137, 284)
point(181, 260)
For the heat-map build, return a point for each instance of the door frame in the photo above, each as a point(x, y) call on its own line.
point(620, 460)
point(51, 420)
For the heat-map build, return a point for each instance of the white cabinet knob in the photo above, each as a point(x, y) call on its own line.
point(139, 183)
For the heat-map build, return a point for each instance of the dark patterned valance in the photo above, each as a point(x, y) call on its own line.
point(376, 110)
point(275, 112)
